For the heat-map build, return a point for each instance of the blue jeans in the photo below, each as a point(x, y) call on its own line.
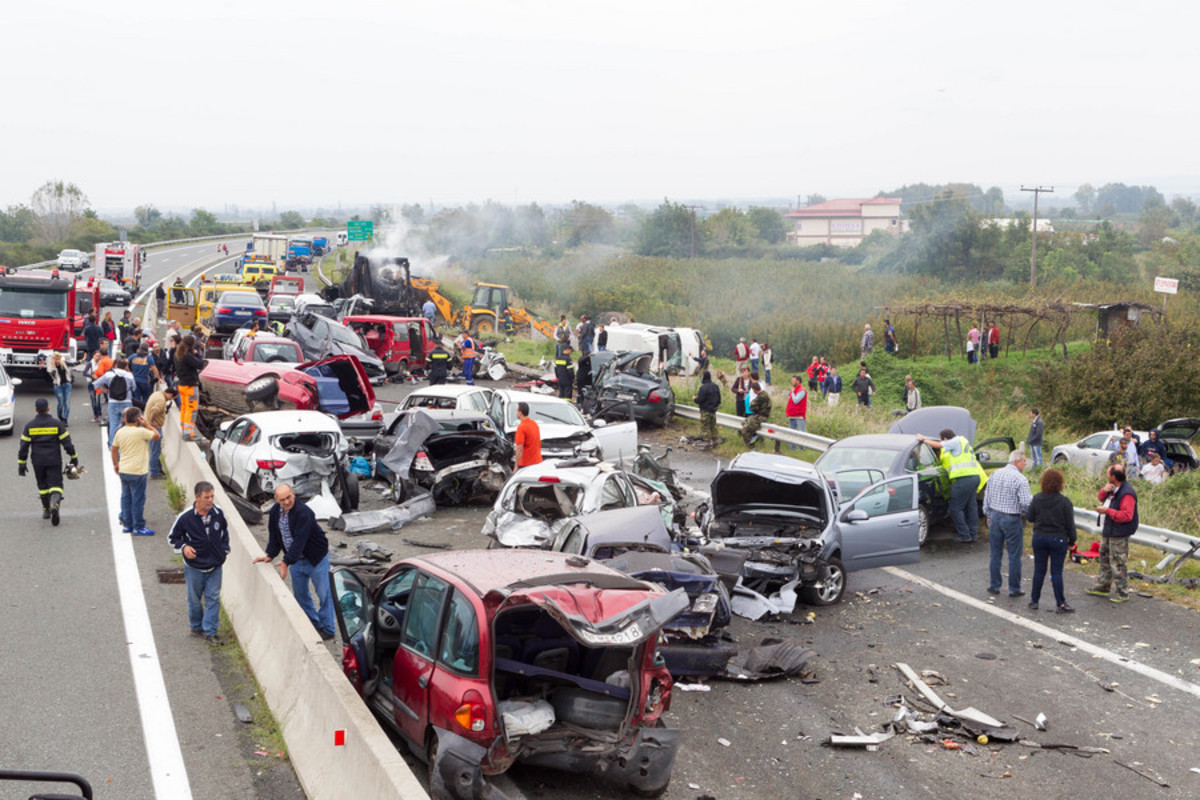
point(116, 412)
point(1005, 532)
point(754, 365)
point(469, 371)
point(62, 393)
point(1052, 549)
point(141, 391)
point(304, 573)
point(156, 469)
point(797, 424)
point(768, 375)
point(964, 512)
point(1035, 452)
point(95, 398)
point(204, 598)
point(133, 502)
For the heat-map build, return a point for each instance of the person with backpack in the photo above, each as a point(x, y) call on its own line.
point(117, 383)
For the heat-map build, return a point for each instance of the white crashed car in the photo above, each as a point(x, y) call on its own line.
point(254, 453)
point(537, 497)
point(8, 402)
point(564, 431)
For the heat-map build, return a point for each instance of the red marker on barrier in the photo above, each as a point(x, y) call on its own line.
point(339, 738)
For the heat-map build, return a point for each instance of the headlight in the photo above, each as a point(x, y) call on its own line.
point(705, 604)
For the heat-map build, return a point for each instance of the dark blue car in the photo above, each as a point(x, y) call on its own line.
point(235, 309)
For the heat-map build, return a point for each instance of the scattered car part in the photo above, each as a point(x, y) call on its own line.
point(387, 519)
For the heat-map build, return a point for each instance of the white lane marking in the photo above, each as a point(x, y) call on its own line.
point(167, 769)
point(1045, 630)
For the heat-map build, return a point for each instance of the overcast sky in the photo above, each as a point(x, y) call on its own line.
point(314, 103)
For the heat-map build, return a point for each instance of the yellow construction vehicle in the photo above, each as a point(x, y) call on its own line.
point(488, 312)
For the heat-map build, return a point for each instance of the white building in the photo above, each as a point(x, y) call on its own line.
point(845, 222)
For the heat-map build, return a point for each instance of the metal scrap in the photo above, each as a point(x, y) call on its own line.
point(770, 658)
point(1144, 774)
point(860, 739)
point(966, 714)
point(388, 519)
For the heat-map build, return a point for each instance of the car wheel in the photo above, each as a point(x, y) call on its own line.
point(922, 525)
point(831, 589)
point(262, 389)
point(349, 498)
point(8, 432)
point(1178, 468)
point(1060, 460)
point(399, 493)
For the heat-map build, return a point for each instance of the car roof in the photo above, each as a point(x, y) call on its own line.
point(642, 524)
point(517, 395)
point(488, 570)
point(571, 470)
point(237, 295)
point(379, 318)
point(293, 421)
point(443, 390)
point(266, 338)
point(779, 467)
point(448, 413)
point(876, 441)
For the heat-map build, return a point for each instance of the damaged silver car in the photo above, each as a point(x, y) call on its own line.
point(783, 514)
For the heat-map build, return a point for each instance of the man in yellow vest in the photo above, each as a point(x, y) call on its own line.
point(966, 479)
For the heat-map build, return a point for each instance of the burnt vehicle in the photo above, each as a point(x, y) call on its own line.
point(616, 379)
point(869, 458)
point(784, 515)
point(538, 496)
point(320, 337)
point(480, 659)
point(457, 456)
point(385, 282)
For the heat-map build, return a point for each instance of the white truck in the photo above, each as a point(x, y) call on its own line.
point(272, 245)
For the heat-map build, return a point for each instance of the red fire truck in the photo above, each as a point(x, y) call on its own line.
point(38, 317)
point(121, 262)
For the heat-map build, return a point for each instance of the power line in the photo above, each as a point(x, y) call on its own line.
point(1037, 190)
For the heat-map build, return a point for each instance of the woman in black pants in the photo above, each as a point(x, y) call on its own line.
point(1053, 520)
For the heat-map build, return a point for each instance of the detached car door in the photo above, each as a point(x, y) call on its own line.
point(880, 527)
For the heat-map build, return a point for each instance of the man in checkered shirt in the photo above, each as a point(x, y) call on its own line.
point(1005, 502)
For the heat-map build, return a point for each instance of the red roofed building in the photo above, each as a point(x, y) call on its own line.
point(845, 222)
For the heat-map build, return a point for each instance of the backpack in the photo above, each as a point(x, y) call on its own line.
point(118, 388)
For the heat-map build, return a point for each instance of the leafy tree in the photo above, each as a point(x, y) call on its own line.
point(588, 223)
point(1155, 221)
point(993, 202)
point(668, 231)
point(1185, 210)
point(88, 230)
point(17, 224)
point(290, 220)
point(1127, 199)
point(769, 225)
point(1095, 389)
point(728, 227)
point(1085, 197)
point(57, 205)
point(204, 223)
point(814, 198)
point(413, 213)
point(147, 215)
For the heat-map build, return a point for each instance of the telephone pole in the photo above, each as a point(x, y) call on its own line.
point(693, 209)
point(1037, 190)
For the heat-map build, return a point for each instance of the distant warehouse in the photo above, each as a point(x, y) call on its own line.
point(845, 222)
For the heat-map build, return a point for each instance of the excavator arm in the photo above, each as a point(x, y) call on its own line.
point(430, 288)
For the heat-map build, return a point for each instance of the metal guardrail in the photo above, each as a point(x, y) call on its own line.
point(1159, 538)
point(769, 430)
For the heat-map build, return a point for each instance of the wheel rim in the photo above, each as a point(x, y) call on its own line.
point(831, 587)
point(1060, 459)
point(485, 327)
point(922, 526)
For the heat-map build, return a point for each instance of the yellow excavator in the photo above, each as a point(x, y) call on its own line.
point(488, 313)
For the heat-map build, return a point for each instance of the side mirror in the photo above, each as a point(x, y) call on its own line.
point(599, 423)
point(856, 515)
point(1081, 446)
point(15, 381)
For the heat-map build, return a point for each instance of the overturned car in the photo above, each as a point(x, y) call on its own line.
point(611, 380)
point(783, 514)
point(480, 659)
point(319, 337)
point(457, 456)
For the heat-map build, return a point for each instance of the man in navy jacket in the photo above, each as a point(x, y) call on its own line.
point(201, 535)
point(292, 529)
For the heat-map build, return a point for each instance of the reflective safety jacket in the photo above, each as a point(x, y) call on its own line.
point(44, 435)
point(468, 347)
point(964, 464)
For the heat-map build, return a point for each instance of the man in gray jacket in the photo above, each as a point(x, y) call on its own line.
point(1034, 439)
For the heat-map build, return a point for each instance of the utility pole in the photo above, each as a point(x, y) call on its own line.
point(694, 227)
point(1037, 190)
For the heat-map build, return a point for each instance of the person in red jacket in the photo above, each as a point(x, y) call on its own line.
point(797, 406)
point(993, 341)
point(813, 374)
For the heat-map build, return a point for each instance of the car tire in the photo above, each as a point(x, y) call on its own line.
point(832, 588)
point(923, 518)
point(1060, 460)
point(349, 499)
point(262, 389)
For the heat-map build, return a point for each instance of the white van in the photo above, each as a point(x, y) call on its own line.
point(673, 348)
point(341, 239)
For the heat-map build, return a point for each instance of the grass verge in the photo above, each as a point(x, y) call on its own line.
point(263, 734)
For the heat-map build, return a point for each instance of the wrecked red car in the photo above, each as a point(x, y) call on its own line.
point(483, 658)
point(337, 385)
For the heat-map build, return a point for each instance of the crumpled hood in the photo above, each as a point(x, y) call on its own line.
point(517, 530)
point(554, 431)
point(737, 489)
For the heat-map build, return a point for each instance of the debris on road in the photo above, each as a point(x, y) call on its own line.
point(387, 519)
point(1143, 773)
point(861, 739)
point(770, 658)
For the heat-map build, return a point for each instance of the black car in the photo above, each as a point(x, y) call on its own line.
point(612, 380)
point(457, 456)
point(321, 337)
point(113, 293)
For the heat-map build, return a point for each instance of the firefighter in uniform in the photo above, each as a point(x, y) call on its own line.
point(439, 365)
point(44, 436)
point(563, 374)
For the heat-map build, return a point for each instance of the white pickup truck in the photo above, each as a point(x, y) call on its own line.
point(73, 260)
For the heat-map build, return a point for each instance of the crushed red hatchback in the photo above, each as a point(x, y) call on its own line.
point(482, 658)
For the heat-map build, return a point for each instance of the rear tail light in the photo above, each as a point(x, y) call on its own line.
point(655, 397)
point(549, 479)
point(471, 715)
point(271, 463)
point(260, 312)
point(377, 414)
point(224, 310)
point(422, 462)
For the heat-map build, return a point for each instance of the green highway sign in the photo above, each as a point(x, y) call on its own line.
point(360, 230)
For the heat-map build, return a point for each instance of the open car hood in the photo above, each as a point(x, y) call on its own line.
point(1182, 428)
point(629, 626)
point(736, 490)
point(932, 420)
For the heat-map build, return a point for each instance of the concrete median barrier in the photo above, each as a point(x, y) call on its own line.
point(304, 687)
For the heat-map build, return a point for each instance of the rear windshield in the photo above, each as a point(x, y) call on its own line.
point(241, 298)
point(276, 351)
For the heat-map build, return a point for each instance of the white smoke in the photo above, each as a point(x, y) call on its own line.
point(394, 239)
